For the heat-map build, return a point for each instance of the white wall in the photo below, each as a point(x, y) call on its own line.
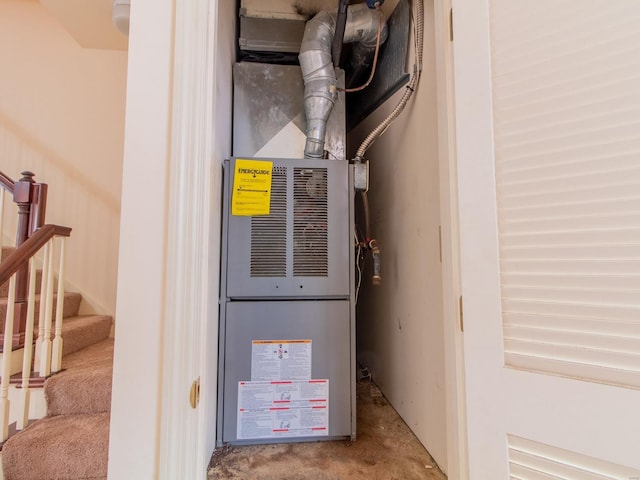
point(138, 361)
point(62, 117)
point(400, 324)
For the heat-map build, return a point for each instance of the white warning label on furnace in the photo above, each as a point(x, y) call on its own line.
point(281, 360)
point(292, 408)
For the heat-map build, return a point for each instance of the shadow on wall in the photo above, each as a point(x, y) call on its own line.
point(76, 200)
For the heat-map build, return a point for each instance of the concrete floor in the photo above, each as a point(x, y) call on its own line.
point(385, 450)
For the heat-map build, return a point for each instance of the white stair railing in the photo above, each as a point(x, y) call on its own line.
point(42, 357)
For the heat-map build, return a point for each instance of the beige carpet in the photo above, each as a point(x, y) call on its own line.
point(59, 447)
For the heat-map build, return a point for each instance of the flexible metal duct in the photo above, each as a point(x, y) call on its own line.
point(320, 85)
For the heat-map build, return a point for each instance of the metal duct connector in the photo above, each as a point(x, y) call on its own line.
point(320, 84)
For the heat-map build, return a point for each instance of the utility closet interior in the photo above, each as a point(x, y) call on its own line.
point(331, 261)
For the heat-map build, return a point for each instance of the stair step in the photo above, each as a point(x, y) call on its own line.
point(70, 307)
point(81, 335)
point(85, 385)
point(6, 251)
point(97, 354)
point(4, 288)
point(64, 446)
point(82, 331)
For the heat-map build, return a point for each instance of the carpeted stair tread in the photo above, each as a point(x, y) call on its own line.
point(71, 306)
point(4, 288)
point(84, 386)
point(64, 447)
point(5, 252)
point(79, 391)
point(95, 355)
point(82, 331)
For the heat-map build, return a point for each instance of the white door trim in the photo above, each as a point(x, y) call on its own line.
point(192, 197)
point(192, 194)
point(450, 248)
point(479, 262)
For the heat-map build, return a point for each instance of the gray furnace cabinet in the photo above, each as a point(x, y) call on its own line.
point(287, 308)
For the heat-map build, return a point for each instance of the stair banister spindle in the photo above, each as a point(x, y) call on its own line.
point(6, 359)
point(56, 355)
point(23, 420)
point(42, 310)
point(45, 358)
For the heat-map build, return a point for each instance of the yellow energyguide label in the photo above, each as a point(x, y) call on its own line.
point(251, 187)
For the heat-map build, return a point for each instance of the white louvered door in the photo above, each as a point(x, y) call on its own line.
point(548, 143)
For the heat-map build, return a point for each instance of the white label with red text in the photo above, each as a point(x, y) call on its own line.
point(291, 408)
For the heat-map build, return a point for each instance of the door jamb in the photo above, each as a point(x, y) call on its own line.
point(457, 456)
point(191, 255)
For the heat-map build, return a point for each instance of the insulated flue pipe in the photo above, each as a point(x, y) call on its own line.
point(320, 84)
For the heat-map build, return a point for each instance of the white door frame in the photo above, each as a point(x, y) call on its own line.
point(450, 248)
point(193, 192)
point(192, 133)
point(201, 140)
point(169, 254)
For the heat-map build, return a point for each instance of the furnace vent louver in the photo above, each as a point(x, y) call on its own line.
point(310, 222)
point(269, 232)
point(302, 248)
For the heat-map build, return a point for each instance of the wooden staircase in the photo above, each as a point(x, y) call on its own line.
point(71, 441)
